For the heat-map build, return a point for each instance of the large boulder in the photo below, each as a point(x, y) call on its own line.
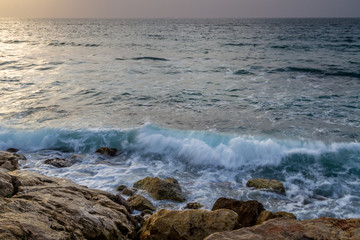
point(140, 203)
point(52, 208)
point(248, 211)
point(10, 161)
point(187, 224)
point(161, 189)
point(266, 184)
point(290, 229)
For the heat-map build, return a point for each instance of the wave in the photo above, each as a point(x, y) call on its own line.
point(59, 44)
point(150, 58)
point(317, 71)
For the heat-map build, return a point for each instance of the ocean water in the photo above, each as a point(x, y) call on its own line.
point(211, 102)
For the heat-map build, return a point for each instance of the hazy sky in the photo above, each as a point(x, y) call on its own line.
point(179, 8)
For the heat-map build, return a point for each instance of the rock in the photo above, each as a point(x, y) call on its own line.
point(75, 158)
point(193, 205)
point(266, 215)
point(187, 224)
point(6, 186)
point(284, 214)
point(146, 212)
point(290, 229)
point(107, 151)
point(12, 150)
point(121, 187)
point(268, 184)
point(129, 191)
point(58, 162)
point(10, 161)
point(248, 211)
point(140, 203)
point(161, 189)
point(52, 208)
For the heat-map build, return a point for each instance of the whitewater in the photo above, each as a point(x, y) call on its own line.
point(211, 102)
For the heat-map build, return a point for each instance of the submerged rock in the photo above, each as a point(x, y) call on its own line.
point(58, 162)
point(248, 211)
point(187, 224)
point(290, 229)
point(268, 184)
point(52, 208)
point(107, 151)
point(161, 189)
point(140, 203)
point(10, 161)
point(193, 205)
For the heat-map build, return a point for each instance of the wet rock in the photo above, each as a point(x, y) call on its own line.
point(10, 161)
point(140, 203)
point(146, 212)
point(267, 215)
point(290, 229)
point(129, 191)
point(58, 162)
point(53, 208)
point(187, 224)
point(193, 205)
point(6, 186)
point(161, 189)
point(12, 150)
point(107, 151)
point(284, 214)
point(267, 184)
point(121, 187)
point(248, 211)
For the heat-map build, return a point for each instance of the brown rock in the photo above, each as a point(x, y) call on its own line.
point(140, 203)
point(53, 208)
point(6, 186)
point(266, 215)
point(248, 211)
point(161, 189)
point(107, 151)
point(129, 191)
point(290, 229)
point(187, 224)
point(10, 161)
point(193, 205)
point(121, 187)
point(284, 214)
point(58, 162)
point(268, 184)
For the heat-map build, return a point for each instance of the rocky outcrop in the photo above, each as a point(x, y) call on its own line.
point(140, 203)
point(50, 208)
point(10, 161)
point(290, 229)
point(187, 224)
point(107, 151)
point(161, 189)
point(266, 184)
point(58, 162)
point(248, 211)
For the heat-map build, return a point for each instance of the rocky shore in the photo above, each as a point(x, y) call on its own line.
point(34, 206)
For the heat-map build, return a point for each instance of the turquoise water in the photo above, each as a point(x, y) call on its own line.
point(210, 102)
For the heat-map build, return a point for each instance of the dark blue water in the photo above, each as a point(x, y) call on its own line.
point(211, 102)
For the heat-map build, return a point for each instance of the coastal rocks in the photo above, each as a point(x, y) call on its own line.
point(289, 229)
point(129, 191)
point(6, 187)
point(52, 208)
point(10, 161)
point(107, 151)
point(193, 205)
point(140, 203)
point(161, 189)
point(268, 184)
point(267, 215)
point(248, 211)
point(187, 224)
point(58, 162)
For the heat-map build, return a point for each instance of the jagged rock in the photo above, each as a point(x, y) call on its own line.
point(146, 212)
point(187, 224)
point(121, 187)
point(52, 208)
point(107, 151)
point(12, 150)
point(10, 161)
point(290, 229)
point(129, 191)
point(268, 184)
point(6, 186)
point(193, 205)
point(58, 162)
point(284, 214)
point(161, 189)
point(140, 203)
point(267, 215)
point(248, 211)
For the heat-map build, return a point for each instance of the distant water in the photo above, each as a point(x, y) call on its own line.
point(212, 103)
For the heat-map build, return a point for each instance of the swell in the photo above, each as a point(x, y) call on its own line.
point(317, 71)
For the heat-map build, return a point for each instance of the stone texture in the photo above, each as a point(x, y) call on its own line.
point(107, 151)
point(10, 161)
point(248, 211)
point(140, 203)
point(187, 224)
point(52, 208)
point(290, 229)
point(6, 186)
point(193, 205)
point(129, 191)
point(121, 187)
point(161, 189)
point(58, 162)
point(267, 215)
point(268, 184)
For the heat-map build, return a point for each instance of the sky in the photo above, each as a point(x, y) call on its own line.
point(178, 8)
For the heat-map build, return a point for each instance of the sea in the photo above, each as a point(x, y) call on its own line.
point(209, 102)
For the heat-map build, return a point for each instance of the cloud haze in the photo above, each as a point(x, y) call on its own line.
point(179, 8)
